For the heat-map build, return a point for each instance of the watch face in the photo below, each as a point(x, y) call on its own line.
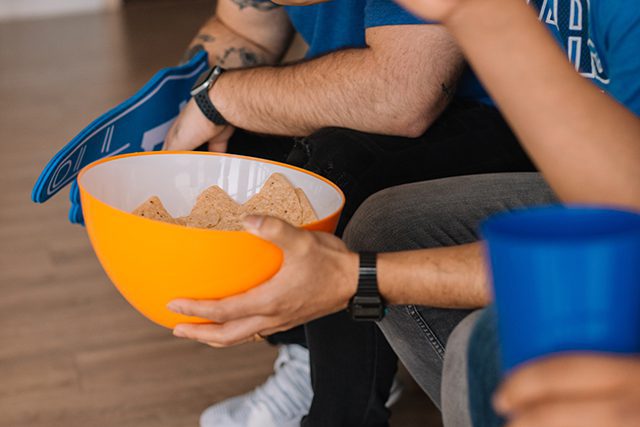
point(367, 308)
point(202, 81)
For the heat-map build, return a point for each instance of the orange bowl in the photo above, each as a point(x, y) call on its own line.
point(151, 262)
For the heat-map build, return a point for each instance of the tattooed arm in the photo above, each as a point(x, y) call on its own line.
point(397, 85)
point(241, 34)
point(244, 33)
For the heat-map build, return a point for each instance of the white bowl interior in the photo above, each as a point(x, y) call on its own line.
point(178, 179)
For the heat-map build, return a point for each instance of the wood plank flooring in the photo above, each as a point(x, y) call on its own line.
point(72, 352)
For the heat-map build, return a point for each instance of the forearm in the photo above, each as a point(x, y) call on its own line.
point(372, 90)
point(227, 49)
point(451, 277)
point(244, 33)
point(584, 142)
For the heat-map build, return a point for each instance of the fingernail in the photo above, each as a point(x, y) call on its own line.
point(253, 222)
point(178, 332)
point(175, 307)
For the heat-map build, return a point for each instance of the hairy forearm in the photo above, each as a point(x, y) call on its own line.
point(584, 142)
point(375, 89)
point(452, 277)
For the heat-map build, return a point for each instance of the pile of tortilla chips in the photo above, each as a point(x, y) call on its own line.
point(215, 210)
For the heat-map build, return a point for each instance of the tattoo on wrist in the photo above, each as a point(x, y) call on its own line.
point(205, 38)
point(234, 57)
point(191, 52)
point(263, 5)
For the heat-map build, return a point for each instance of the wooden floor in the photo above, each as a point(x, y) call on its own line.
point(72, 352)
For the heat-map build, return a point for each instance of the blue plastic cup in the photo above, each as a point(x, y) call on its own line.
point(565, 279)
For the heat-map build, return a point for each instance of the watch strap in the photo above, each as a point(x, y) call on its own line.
point(368, 275)
point(367, 304)
point(208, 109)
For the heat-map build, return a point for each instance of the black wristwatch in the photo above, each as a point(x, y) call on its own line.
point(367, 304)
point(200, 93)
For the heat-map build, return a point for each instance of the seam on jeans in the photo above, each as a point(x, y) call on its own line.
point(426, 330)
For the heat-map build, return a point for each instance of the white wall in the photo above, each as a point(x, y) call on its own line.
point(25, 9)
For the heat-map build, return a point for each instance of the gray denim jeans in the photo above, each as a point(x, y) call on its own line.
point(444, 212)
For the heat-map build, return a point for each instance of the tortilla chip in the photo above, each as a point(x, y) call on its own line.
point(216, 210)
point(153, 208)
point(181, 220)
point(206, 212)
point(308, 213)
point(231, 212)
point(277, 198)
point(231, 223)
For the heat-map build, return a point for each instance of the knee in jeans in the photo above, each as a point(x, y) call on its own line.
point(408, 217)
point(366, 230)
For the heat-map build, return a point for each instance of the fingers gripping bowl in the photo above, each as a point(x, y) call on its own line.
point(152, 262)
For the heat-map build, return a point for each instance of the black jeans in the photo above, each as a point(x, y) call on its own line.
point(352, 365)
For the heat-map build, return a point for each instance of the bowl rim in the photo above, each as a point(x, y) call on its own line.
point(90, 166)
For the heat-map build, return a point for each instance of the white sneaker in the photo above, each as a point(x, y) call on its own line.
point(281, 401)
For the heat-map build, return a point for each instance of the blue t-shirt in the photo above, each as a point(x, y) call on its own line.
point(602, 40)
point(341, 24)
